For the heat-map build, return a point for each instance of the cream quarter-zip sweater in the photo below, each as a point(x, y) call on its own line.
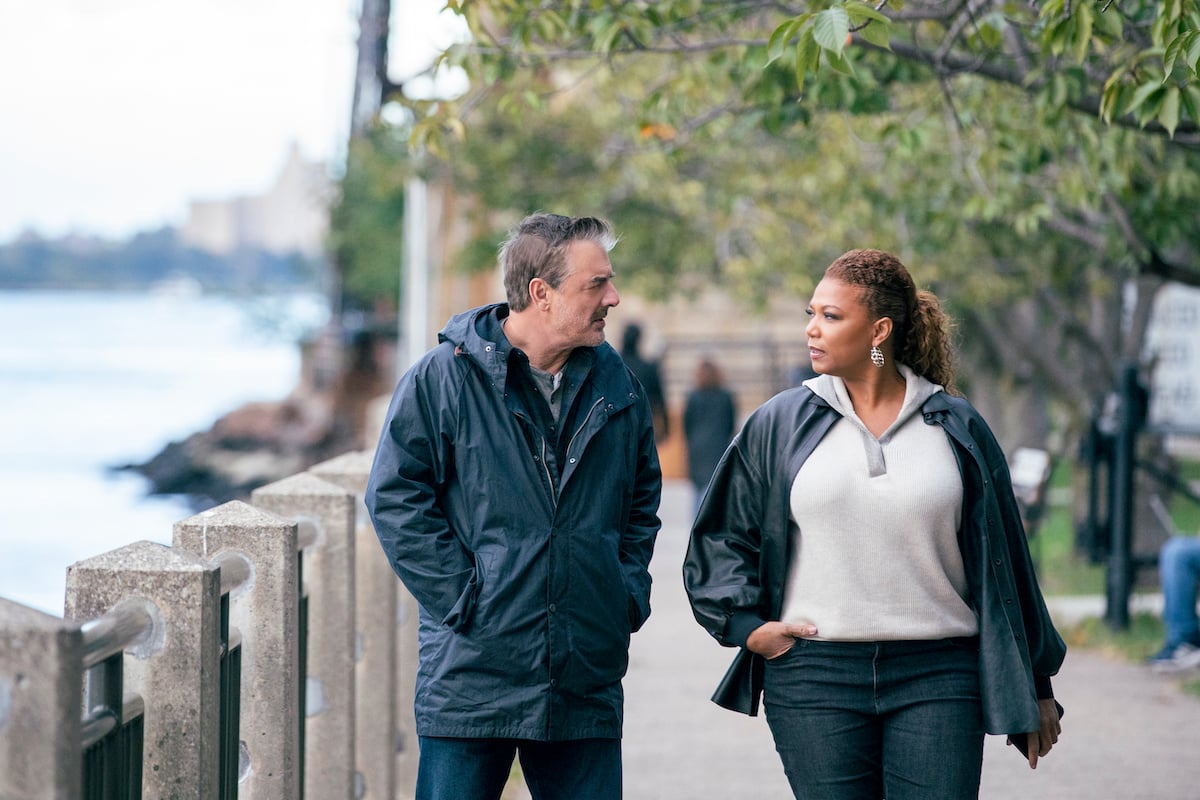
point(877, 555)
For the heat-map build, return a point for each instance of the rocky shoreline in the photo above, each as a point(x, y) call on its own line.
point(259, 443)
point(249, 447)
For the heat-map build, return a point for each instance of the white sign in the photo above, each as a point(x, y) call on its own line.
point(1173, 345)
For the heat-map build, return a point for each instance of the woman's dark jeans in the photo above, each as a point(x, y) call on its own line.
point(871, 720)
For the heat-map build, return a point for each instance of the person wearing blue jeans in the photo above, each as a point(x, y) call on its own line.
point(515, 492)
point(860, 543)
point(477, 769)
point(1179, 574)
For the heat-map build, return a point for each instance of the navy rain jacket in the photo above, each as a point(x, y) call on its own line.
point(528, 591)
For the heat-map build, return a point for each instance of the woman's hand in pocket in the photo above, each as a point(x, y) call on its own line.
point(773, 639)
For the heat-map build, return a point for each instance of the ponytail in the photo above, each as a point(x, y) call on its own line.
point(927, 346)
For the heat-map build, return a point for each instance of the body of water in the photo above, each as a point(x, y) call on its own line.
point(92, 380)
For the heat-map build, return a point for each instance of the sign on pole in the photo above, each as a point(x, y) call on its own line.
point(1173, 347)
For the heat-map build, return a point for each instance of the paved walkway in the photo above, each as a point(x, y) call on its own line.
point(1128, 734)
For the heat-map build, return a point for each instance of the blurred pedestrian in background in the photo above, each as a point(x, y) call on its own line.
point(709, 415)
point(650, 374)
point(1179, 573)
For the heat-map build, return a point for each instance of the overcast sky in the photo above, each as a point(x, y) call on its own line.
point(115, 113)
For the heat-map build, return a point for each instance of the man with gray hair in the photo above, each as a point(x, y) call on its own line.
point(515, 492)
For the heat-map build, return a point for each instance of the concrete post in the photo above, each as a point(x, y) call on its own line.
point(41, 676)
point(267, 614)
point(329, 768)
point(378, 735)
point(177, 670)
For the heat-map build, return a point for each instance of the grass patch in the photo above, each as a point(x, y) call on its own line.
point(1139, 641)
point(1185, 511)
point(1063, 570)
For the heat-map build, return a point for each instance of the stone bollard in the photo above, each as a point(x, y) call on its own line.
point(328, 570)
point(267, 614)
point(41, 678)
point(176, 670)
point(385, 745)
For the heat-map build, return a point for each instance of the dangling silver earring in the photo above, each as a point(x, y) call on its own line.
point(876, 356)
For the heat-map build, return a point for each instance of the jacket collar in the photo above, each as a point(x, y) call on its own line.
point(479, 335)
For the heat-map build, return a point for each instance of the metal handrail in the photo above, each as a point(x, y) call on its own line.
point(98, 725)
point(130, 621)
point(122, 626)
point(307, 533)
point(235, 570)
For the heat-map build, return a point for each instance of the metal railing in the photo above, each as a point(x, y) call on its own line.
point(112, 729)
point(198, 658)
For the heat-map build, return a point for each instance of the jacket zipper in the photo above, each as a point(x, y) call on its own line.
point(583, 425)
point(549, 477)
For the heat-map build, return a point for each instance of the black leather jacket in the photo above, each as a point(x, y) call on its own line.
point(736, 566)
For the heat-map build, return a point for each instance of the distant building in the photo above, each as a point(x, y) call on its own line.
point(291, 217)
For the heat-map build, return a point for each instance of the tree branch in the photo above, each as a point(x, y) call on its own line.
point(1157, 266)
point(1187, 135)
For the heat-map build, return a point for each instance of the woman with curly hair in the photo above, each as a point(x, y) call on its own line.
point(860, 543)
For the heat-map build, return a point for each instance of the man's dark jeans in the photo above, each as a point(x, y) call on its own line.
point(901, 720)
point(477, 769)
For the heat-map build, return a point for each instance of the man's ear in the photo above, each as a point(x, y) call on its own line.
point(881, 330)
point(539, 292)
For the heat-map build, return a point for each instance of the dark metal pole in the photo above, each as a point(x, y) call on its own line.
point(1120, 561)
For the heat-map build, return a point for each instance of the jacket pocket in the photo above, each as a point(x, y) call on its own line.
point(460, 616)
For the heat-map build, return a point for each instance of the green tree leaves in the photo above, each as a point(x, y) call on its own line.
point(1033, 155)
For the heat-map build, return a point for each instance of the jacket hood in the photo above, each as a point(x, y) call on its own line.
point(478, 334)
point(917, 390)
point(475, 328)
